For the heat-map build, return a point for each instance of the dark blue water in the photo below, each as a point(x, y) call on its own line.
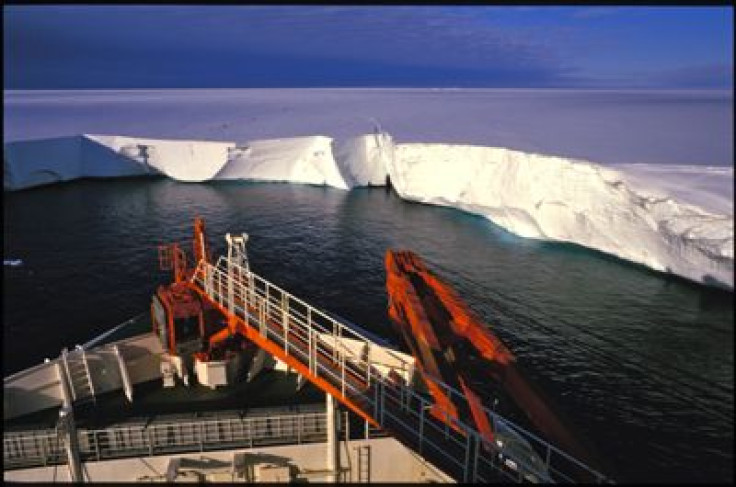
point(642, 362)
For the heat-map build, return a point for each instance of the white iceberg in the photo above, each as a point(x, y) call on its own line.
point(566, 200)
point(675, 219)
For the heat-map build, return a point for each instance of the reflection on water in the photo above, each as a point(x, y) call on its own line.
point(641, 361)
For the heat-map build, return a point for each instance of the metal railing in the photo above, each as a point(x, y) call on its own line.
point(314, 339)
point(45, 447)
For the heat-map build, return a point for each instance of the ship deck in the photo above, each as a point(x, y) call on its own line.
point(270, 388)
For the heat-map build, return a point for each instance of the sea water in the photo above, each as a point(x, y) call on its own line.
point(642, 362)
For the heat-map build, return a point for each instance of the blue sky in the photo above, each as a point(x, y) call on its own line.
point(78, 47)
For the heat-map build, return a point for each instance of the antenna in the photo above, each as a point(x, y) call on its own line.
point(376, 126)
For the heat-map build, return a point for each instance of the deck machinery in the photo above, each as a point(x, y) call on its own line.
point(194, 334)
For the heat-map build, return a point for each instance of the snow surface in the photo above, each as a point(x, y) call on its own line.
point(605, 126)
point(710, 187)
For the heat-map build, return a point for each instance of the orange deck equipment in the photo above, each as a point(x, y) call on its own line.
point(445, 336)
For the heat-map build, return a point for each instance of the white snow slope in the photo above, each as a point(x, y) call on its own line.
point(675, 219)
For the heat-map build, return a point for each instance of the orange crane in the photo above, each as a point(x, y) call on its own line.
point(444, 336)
point(180, 317)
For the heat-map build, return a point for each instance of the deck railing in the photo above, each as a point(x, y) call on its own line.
point(314, 339)
point(26, 449)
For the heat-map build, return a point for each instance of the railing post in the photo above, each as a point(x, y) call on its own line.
point(315, 343)
point(268, 299)
point(309, 349)
point(376, 385)
point(150, 441)
point(342, 373)
point(447, 425)
point(71, 440)
point(200, 430)
point(44, 449)
point(299, 426)
point(383, 400)
point(468, 446)
point(335, 330)
point(401, 396)
point(250, 432)
point(475, 458)
point(230, 288)
point(332, 439)
point(285, 319)
point(244, 297)
point(347, 427)
point(421, 427)
point(68, 380)
point(97, 444)
point(262, 318)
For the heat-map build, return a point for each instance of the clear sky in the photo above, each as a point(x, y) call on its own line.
point(55, 47)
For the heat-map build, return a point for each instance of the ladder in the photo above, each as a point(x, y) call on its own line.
point(364, 463)
point(77, 369)
point(311, 342)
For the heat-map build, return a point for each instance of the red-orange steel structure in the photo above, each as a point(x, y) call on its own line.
point(443, 334)
point(177, 298)
point(183, 299)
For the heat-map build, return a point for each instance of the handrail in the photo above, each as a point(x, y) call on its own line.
point(32, 448)
point(275, 313)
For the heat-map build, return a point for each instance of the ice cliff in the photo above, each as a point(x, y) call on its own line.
point(669, 218)
point(37, 162)
point(566, 200)
point(306, 160)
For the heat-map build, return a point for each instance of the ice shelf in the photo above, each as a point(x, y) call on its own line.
point(674, 219)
